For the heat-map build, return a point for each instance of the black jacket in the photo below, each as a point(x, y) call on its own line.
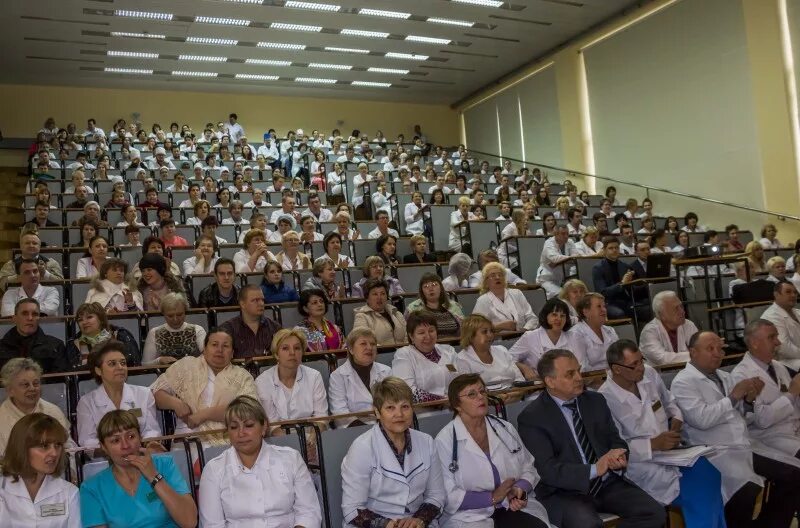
point(209, 297)
point(133, 353)
point(412, 258)
point(48, 351)
point(614, 292)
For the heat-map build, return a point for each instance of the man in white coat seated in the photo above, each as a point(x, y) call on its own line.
point(649, 420)
point(776, 420)
point(557, 249)
point(665, 339)
point(786, 318)
point(715, 411)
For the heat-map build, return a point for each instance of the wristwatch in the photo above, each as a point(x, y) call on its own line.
point(158, 478)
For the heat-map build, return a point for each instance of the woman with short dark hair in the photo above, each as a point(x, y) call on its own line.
point(321, 334)
point(435, 301)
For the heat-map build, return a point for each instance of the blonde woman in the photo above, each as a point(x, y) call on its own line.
point(505, 307)
point(494, 363)
point(589, 245)
point(755, 257)
point(571, 293)
point(562, 208)
point(291, 258)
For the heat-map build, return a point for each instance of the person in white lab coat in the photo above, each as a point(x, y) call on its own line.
point(493, 363)
point(484, 257)
point(507, 308)
point(110, 370)
point(488, 474)
point(459, 232)
point(254, 483)
point(591, 334)
point(290, 390)
point(553, 332)
point(786, 318)
point(427, 367)
point(557, 249)
point(715, 413)
point(416, 213)
point(665, 339)
point(31, 491)
point(349, 385)
point(391, 473)
point(519, 226)
point(776, 413)
point(649, 420)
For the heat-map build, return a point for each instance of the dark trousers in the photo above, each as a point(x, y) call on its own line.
point(634, 506)
point(778, 508)
point(516, 519)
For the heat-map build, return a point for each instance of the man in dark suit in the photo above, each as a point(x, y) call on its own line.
point(639, 266)
point(579, 455)
point(611, 278)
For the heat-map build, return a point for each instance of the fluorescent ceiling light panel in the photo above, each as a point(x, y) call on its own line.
point(409, 56)
point(268, 62)
point(129, 70)
point(247, 1)
point(384, 13)
point(184, 73)
point(132, 54)
point(485, 3)
point(428, 40)
point(346, 50)
point(126, 34)
point(257, 77)
point(281, 45)
point(371, 84)
point(450, 22)
point(387, 70)
point(212, 41)
point(322, 66)
point(315, 80)
point(221, 21)
point(362, 33)
point(202, 58)
point(295, 27)
point(143, 14)
point(312, 6)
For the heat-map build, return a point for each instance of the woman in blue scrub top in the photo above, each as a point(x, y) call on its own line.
point(136, 490)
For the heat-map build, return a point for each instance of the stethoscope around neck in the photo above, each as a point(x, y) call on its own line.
point(453, 467)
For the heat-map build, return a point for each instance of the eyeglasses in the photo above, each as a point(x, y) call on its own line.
point(636, 365)
point(474, 394)
point(430, 284)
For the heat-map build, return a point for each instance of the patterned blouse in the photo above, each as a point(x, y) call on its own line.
point(330, 338)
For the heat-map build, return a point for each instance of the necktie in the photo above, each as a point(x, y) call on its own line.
point(585, 444)
point(713, 377)
point(772, 374)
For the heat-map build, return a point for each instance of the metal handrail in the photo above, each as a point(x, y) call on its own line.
point(648, 188)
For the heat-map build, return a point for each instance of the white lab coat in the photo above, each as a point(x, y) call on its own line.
point(776, 421)
point(551, 272)
point(347, 393)
point(421, 374)
point(500, 374)
point(242, 257)
point(307, 397)
point(514, 307)
point(593, 347)
point(583, 250)
point(475, 471)
point(788, 333)
point(474, 280)
point(415, 227)
point(506, 251)
point(532, 345)
point(358, 189)
point(656, 346)
point(277, 492)
point(373, 479)
point(710, 419)
point(637, 423)
point(456, 233)
point(57, 504)
point(95, 404)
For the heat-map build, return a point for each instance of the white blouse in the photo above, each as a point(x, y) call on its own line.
point(531, 346)
point(94, 405)
point(500, 374)
point(57, 504)
point(306, 398)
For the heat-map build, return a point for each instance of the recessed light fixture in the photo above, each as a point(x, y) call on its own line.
point(247, 1)
point(212, 41)
point(257, 77)
point(136, 71)
point(316, 80)
point(281, 45)
point(295, 27)
point(450, 22)
point(202, 58)
point(221, 21)
point(132, 54)
point(384, 13)
point(346, 50)
point(143, 14)
point(409, 56)
point(485, 3)
point(184, 73)
point(428, 40)
point(363, 33)
point(312, 6)
point(322, 66)
point(371, 84)
point(126, 34)
point(387, 70)
point(268, 62)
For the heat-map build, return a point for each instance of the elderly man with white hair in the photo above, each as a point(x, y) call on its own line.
point(556, 251)
point(665, 339)
point(458, 272)
point(159, 159)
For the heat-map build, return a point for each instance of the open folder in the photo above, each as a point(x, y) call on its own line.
point(681, 456)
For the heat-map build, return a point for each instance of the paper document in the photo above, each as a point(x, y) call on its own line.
point(682, 457)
